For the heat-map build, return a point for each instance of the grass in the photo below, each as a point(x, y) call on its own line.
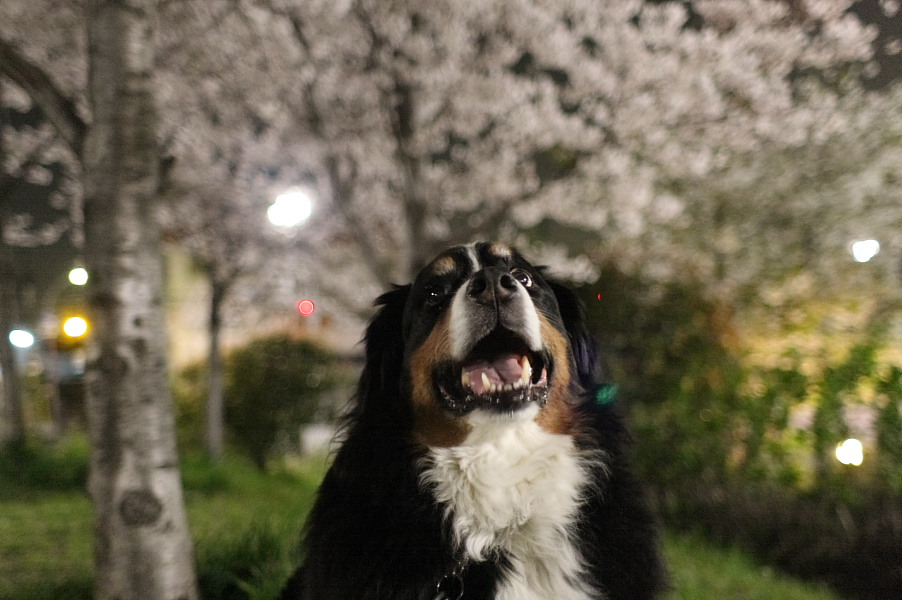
point(245, 526)
point(700, 571)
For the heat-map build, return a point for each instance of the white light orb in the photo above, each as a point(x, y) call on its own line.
point(290, 208)
point(850, 452)
point(865, 250)
point(78, 276)
point(21, 338)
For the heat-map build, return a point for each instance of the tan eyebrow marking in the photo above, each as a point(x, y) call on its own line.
point(443, 265)
point(501, 250)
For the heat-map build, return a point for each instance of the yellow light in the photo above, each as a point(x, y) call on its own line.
point(850, 452)
point(75, 327)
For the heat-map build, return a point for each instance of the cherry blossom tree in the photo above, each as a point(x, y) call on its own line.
point(32, 158)
point(638, 127)
point(703, 133)
point(597, 123)
point(143, 545)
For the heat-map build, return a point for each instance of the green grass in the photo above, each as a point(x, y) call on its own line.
point(246, 524)
point(700, 571)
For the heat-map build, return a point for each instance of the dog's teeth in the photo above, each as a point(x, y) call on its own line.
point(526, 374)
point(486, 384)
point(465, 379)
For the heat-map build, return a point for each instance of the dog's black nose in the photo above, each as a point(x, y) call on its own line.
point(492, 286)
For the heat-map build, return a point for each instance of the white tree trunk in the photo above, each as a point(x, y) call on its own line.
point(143, 547)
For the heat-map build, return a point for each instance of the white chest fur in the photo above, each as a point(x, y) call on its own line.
point(514, 487)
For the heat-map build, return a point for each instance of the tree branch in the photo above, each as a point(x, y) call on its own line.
point(342, 185)
point(341, 190)
point(56, 106)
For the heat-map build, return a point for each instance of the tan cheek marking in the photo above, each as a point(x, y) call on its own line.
point(557, 414)
point(433, 426)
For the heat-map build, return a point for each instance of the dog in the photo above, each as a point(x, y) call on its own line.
point(477, 461)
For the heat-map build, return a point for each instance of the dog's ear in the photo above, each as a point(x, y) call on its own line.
point(384, 340)
point(582, 344)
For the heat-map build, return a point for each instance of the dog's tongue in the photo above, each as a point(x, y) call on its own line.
point(504, 369)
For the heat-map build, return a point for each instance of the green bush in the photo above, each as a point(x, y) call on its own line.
point(668, 349)
point(273, 385)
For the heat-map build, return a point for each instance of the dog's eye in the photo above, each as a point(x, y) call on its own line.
point(522, 276)
point(434, 295)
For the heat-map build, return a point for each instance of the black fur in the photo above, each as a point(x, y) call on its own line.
point(376, 534)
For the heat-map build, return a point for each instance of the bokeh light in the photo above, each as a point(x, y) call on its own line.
point(306, 307)
point(865, 250)
point(290, 208)
point(21, 338)
point(850, 452)
point(78, 276)
point(75, 327)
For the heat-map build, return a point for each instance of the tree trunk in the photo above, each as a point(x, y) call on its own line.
point(214, 425)
point(143, 548)
point(12, 420)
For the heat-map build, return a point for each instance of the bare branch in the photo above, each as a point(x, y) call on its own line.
point(58, 108)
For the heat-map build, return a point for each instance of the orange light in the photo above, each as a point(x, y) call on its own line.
point(75, 327)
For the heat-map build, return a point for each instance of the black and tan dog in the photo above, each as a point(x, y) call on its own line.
point(477, 463)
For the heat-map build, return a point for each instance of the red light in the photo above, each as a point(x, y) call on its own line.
point(306, 308)
point(600, 296)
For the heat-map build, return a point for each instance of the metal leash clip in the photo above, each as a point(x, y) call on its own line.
point(451, 587)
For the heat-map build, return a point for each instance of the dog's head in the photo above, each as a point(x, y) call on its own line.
point(480, 335)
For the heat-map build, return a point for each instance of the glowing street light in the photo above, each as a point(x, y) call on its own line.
point(290, 208)
point(865, 250)
point(21, 338)
point(850, 452)
point(78, 276)
point(75, 327)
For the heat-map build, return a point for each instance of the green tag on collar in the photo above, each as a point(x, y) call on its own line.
point(606, 394)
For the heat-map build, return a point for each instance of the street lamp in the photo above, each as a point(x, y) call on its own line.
point(290, 208)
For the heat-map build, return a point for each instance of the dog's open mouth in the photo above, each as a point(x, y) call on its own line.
point(500, 374)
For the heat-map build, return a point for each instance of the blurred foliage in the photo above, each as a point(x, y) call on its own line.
point(273, 386)
point(668, 349)
point(737, 436)
point(707, 407)
point(37, 467)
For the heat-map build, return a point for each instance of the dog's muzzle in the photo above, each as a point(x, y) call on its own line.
point(499, 359)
